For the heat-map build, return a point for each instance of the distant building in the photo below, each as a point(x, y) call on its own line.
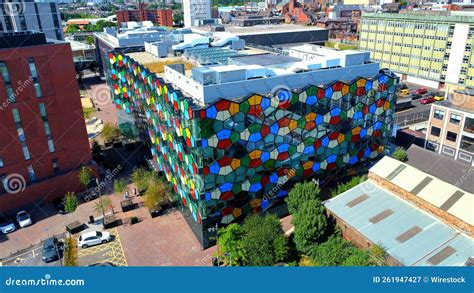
point(195, 10)
point(451, 127)
point(429, 48)
point(16, 16)
point(417, 218)
point(45, 142)
point(162, 17)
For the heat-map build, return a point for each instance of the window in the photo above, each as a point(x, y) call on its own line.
point(438, 114)
point(451, 136)
point(467, 143)
point(6, 79)
point(16, 116)
point(455, 119)
point(1, 162)
point(34, 76)
point(55, 166)
point(46, 128)
point(26, 152)
point(436, 131)
point(469, 125)
point(31, 173)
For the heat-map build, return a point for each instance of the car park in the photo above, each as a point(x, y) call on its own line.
point(51, 250)
point(93, 238)
point(23, 219)
point(6, 225)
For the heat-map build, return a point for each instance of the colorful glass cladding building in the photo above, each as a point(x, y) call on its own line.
point(232, 157)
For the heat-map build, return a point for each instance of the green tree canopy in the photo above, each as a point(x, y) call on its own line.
point(120, 185)
point(103, 205)
point(263, 242)
point(400, 154)
point(230, 248)
point(110, 132)
point(343, 187)
point(70, 202)
point(156, 194)
point(301, 193)
point(310, 223)
point(85, 176)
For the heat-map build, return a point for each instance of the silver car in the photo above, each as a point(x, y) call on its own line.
point(6, 226)
point(93, 238)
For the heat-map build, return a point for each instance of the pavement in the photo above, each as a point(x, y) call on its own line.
point(30, 257)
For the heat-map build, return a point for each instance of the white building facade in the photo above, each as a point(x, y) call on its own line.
point(195, 10)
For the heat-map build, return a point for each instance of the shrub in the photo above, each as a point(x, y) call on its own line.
point(133, 220)
point(70, 252)
point(400, 154)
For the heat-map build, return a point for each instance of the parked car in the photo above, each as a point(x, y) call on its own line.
point(102, 264)
point(403, 86)
point(93, 238)
point(427, 100)
point(420, 91)
point(415, 96)
point(23, 219)
point(6, 225)
point(404, 92)
point(51, 250)
point(437, 96)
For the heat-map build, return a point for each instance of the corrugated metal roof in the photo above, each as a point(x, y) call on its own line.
point(417, 246)
point(441, 194)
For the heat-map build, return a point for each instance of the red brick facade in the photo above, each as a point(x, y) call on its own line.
point(162, 17)
point(60, 95)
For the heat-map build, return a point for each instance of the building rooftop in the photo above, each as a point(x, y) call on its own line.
point(410, 235)
point(264, 59)
point(446, 169)
point(22, 39)
point(448, 104)
point(417, 16)
point(262, 29)
point(451, 198)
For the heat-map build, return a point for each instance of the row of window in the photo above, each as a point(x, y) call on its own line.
point(406, 24)
point(451, 136)
point(454, 118)
point(11, 93)
point(404, 34)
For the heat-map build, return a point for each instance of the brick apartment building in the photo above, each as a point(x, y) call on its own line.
point(44, 141)
point(162, 17)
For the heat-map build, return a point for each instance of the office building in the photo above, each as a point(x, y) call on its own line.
point(196, 11)
point(232, 138)
point(27, 15)
point(161, 17)
point(451, 127)
point(430, 48)
point(45, 140)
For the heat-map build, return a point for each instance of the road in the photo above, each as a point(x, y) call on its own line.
point(30, 257)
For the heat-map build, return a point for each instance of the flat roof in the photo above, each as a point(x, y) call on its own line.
point(156, 64)
point(262, 29)
point(446, 169)
point(414, 16)
point(265, 59)
point(407, 233)
point(443, 195)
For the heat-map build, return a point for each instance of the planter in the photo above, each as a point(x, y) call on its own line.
point(127, 205)
point(74, 227)
point(155, 212)
point(109, 221)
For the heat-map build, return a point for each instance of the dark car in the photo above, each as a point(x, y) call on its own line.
point(51, 250)
point(59, 206)
point(415, 96)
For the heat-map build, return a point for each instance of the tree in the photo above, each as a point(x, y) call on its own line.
point(343, 187)
point(139, 178)
point(70, 202)
point(85, 175)
point(70, 252)
point(230, 249)
point(332, 252)
point(155, 195)
point(310, 223)
point(90, 40)
point(110, 132)
point(120, 185)
point(299, 194)
point(263, 242)
point(400, 154)
point(73, 28)
point(178, 17)
point(102, 205)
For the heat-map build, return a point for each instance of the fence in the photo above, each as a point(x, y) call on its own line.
point(406, 119)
